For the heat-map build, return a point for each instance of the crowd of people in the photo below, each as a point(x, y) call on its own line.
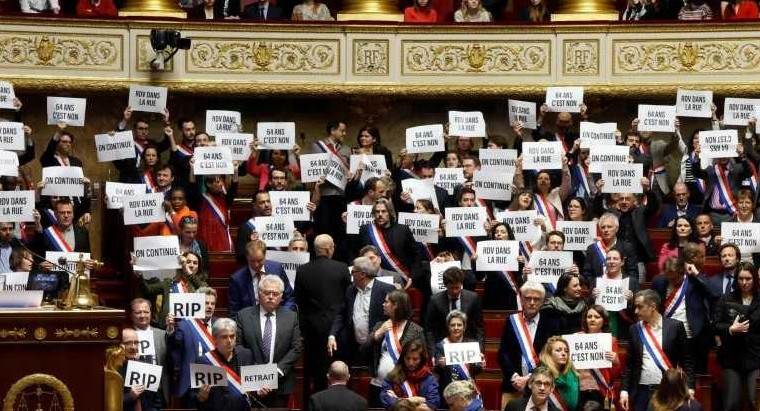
point(352, 303)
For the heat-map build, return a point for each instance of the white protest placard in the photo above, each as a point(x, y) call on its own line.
point(256, 377)
point(611, 293)
point(492, 185)
point(420, 189)
point(522, 111)
point(314, 166)
point(117, 192)
point(212, 161)
point(65, 109)
point(468, 124)
point(694, 103)
point(449, 178)
point(746, 236)
point(63, 181)
point(119, 146)
point(371, 165)
point(657, 118)
point(142, 373)
point(578, 234)
point(12, 136)
point(548, 266)
point(466, 221)
point(156, 253)
point(275, 231)
point(497, 255)
point(564, 99)
point(8, 163)
point(424, 227)
point(600, 155)
point(290, 261)
point(291, 204)
point(147, 345)
point(276, 136)
point(222, 121)
point(14, 281)
point(21, 299)
point(545, 155)
point(718, 143)
point(622, 178)
point(144, 209)
point(738, 111)
point(587, 350)
point(462, 353)
point(337, 172)
point(16, 206)
point(147, 98)
point(425, 139)
point(203, 374)
point(187, 305)
point(6, 94)
point(239, 144)
point(498, 159)
point(67, 259)
point(358, 215)
point(436, 273)
point(593, 134)
point(522, 224)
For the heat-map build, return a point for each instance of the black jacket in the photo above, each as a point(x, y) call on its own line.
point(510, 357)
point(337, 398)
point(320, 294)
point(222, 398)
point(438, 309)
point(343, 324)
point(739, 352)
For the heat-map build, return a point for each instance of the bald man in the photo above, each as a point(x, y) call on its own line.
point(148, 400)
point(338, 397)
point(320, 294)
point(681, 207)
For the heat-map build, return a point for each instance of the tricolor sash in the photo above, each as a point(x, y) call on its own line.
point(652, 347)
point(601, 381)
point(460, 371)
point(180, 287)
point(407, 173)
point(545, 208)
point(393, 343)
point(724, 189)
point(484, 204)
point(427, 250)
point(250, 225)
point(601, 252)
point(524, 340)
point(57, 240)
point(753, 178)
point(169, 222)
point(581, 174)
point(557, 400)
point(202, 334)
point(469, 245)
point(330, 148)
point(386, 254)
point(561, 139)
point(234, 383)
point(184, 152)
point(50, 215)
point(510, 280)
point(408, 389)
point(526, 249)
point(150, 182)
point(644, 148)
point(220, 212)
point(676, 298)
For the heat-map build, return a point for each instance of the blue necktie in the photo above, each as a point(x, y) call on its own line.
point(267, 340)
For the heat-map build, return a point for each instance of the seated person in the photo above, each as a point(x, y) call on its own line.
point(262, 10)
point(311, 10)
point(39, 6)
point(205, 11)
point(96, 8)
point(421, 12)
point(535, 12)
point(411, 378)
point(472, 11)
point(695, 10)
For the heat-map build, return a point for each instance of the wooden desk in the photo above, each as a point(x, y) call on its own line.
point(69, 345)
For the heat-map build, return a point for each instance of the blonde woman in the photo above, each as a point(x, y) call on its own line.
point(556, 357)
point(472, 11)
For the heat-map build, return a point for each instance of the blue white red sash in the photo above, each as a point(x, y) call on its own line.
point(234, 383)
point(545, 208)
point(202, 334)
point(150, 182)
point(250, 225)
point(461, 371)
point(561, 139)
point(386, 254)
point(652, 347)
point(50, 215)
point(330, 148)
point(526, 249)
point(407, 173)
point(220, 212)
point(484, 204)
point(427, 250)
point(557, 400)
point(601, 381)
point(644, 148)
point(676, 298)
point(56, 239)
point(408, 389)
point(524, 340)
point(582, 176)
point(724, 189)
point(507, 276)
point(601, 252)
point(393, 343)
point(753, 178)
point(184, 152)
point(169, 222)
point(180, 287)
point(469, 245)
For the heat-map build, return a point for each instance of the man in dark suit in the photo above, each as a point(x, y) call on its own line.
point(722, 283)
point(454, 298)
point(681, 207)
point(272, 333)
point(64, 235)
point(736, 171)
point(149, 401)
point(338, 397)
point(593, 266)
point(320, 295)
point(643, 373)
point(513, 362)
point(363, 309)
point(244, 281)
point(140, 315)
point(541, 385)
point(263, 10)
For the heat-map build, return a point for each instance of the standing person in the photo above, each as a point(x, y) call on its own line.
point(136, 397)
point(598, 384)
point(140, 315)
point(541, 385)
point(320, 294)
point(596, 254)
point(338, 397)
point(619, 320)
point(673, 394)
point(568, 305)
point(214, 210)
point(463, 396)
point(456, 322)
point(502, 288)
point(556, 357)
point(681, 232)
point(411, 378)
point(244, 283)
point(737, 323)
point(722, 283)
point(445, 302)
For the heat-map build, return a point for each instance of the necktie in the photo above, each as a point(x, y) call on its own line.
point(266, 342)
point(728, 284)
point(262, 16)
point(453, 304)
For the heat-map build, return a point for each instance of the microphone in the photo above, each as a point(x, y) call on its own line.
point(61, 266)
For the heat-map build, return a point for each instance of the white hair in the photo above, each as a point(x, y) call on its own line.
point(531, 285)
point(269, 278)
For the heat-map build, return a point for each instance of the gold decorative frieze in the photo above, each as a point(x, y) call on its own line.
point(487, 57)
point(580, 57)
point(371, 57)
point(65, 332)
point(13, 333)
point(270, 56)
point(677, 56)
point(60, 51)
point(145, 55)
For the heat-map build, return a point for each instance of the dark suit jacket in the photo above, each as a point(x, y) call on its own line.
point(670, 213)
point(149, 400)
point(438, 309)
point(184, 346)
point(519, 404)
point(198, 12)
point(715, 285)
point(673, 343)
point(412, 331)
point(740, 351)
point(287, 342)
point(343, 324)
point(233, 8)
point(241, 287)
point(739, 171)
point(698, 300)
point(510, 357)
point(592, 266)
point(401, 243)
point(48, 156)
point(81, 241)
point(320, 294)
point(274, 13)
point(337, 398)
point(639, 218)
point(222, 398)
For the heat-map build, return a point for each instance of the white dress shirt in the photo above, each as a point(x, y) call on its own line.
point(361, 312)
point(263, 321)
point(650, 372)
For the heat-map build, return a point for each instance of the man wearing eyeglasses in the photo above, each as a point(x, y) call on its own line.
point(681, 207)
point(140, 132)
point(541, 385)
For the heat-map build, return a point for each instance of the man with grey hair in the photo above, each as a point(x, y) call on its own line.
point(541, 384)
point(525, 334)
point(596, 253)
point(363, 308)
point(272, 332)
point(338, 397)
point(462, 395)
point(320, 295)
point(231, 357)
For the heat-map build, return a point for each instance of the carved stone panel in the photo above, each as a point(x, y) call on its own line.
point(61, 51)
point(370, 57)
point(145, 55)
point(467, 58)
point(580, 57)
point(704, 56)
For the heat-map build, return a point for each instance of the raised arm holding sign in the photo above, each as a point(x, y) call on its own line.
point(425, 139)
point(147, 98)
point(7, 95)
point(276, 136)
point(66, 110)
point(564, 99)
point(222, 121)
point(467, 124)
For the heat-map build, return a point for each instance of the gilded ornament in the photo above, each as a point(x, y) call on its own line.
point(60, 52)
point(112, 332)
point(467, 58)
point(44, 385)
point(476, 56)
point(45, 49)
point(581, 57)
point(40, 333)
point(371, 57)
point(76, 332)
point(688, 55)
point(262, 55)
point(13, 333)
point(708, 56)
point(275, 56)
